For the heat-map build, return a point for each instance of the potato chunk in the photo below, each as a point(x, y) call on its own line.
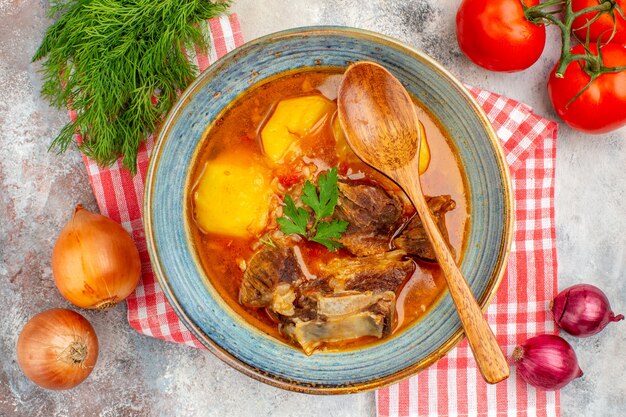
point(292, 119)
point(344, 151)
point(232, 196)
point(424, 151)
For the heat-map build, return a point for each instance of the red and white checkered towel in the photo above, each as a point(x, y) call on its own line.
point(453, 386)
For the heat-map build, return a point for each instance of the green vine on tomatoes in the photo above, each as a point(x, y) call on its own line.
point(547, 12)
point(586, 86)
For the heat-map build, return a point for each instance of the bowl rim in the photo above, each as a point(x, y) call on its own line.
point(252, 371)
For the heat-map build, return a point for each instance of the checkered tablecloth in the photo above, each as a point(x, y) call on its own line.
point(453, 386)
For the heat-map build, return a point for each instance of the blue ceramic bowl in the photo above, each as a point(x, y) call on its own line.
point(198, 304)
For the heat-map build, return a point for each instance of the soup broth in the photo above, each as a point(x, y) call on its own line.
point(265, 146)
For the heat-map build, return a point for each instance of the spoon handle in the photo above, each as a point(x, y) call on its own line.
point(489, 357)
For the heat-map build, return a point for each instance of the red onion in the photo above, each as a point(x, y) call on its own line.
point(546, 361)
point(582, 310)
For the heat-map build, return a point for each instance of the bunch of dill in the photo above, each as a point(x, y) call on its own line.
point(120, 64)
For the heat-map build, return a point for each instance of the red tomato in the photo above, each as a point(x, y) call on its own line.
point(288, 180)
point(601, 107)
point(495, 34)
point(603, 26)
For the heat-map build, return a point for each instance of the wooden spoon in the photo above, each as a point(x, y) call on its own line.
point(381, 126)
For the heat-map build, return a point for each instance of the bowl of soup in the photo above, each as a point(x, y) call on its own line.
point(287, 256)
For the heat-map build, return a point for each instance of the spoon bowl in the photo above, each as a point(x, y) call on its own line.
point(381, 126)
point(368, 93)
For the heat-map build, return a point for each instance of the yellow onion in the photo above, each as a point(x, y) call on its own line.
point(95, 262)
point(57, 349)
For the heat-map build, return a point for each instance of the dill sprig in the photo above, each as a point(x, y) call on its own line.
point(120, 65)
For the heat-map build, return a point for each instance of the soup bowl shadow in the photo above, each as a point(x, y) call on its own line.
point(223, 331)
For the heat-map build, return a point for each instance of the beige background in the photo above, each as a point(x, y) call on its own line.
point(137, 375)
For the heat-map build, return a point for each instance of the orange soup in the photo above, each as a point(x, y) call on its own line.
point(301, 238)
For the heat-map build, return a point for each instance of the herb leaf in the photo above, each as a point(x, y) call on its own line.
point(327, 232)
point(120, 65)
point(266, 240)
point(323, 205)
point(296, 219)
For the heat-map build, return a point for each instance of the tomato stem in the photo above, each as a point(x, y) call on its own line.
point(605, 70)
point(547, 13)
point(605, 6)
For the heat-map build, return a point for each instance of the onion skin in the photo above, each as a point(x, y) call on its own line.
point(57, 349)
point(95, 262)
point(582, 310)
point(547, 362)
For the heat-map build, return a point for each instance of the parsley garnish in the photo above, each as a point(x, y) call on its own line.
point(296, 219)
point(327, 233)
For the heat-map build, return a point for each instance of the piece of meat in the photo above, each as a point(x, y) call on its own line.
point(268, 267)
point(343, 317)
point(347, 302)
point(414, 240)
point(351, 302)
point(310, 334)
point(283, 297)
point(372, 214)
point(382, 272)
point(305, 307)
